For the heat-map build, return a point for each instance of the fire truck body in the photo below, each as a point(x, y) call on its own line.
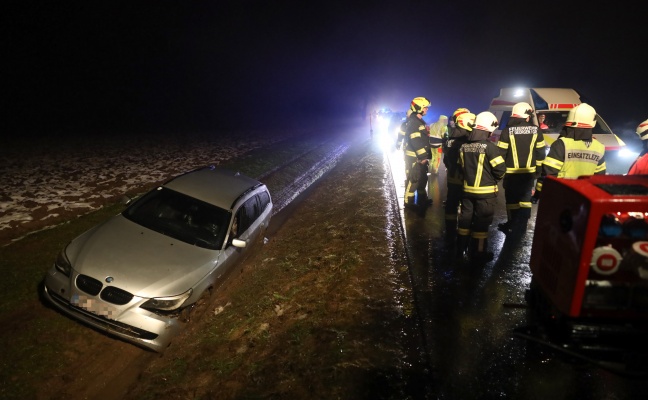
point(589, 258)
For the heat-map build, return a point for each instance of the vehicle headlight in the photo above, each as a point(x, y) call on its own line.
point(169, 303)
point(62, 264)
point(628, 153)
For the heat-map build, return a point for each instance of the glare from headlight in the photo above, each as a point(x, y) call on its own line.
point(627, 153)
point(167, 303)
point(62, 264)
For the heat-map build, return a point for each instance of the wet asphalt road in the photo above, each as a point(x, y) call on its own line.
point(476, 322)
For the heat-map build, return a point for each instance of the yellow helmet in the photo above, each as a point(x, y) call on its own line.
point(458, 112)
point(418, 104)
point(466, 121)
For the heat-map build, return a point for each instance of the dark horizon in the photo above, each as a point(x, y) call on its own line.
point(166, 66)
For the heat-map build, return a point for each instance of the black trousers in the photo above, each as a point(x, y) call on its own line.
point(476, 216)
point(416, 190)
point(453, 199)
point(517, 192)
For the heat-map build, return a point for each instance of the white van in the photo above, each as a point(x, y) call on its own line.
point(555, 104)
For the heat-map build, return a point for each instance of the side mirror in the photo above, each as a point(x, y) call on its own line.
point(239, 243)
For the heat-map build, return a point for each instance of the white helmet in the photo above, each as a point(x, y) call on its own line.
point(486, 121)
point(522, 110)
point(466, 121)
point(642, 130)
point(581, 116)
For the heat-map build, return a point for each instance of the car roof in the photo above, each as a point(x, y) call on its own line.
point(215, 185)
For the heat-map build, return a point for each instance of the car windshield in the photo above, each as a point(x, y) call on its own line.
point(181, 217)
point(555, 120)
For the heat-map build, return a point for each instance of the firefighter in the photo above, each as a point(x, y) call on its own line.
point(417, 153)
point(523, 148)
point(453, 123)
point(458, 136)
point(401, 143)
point(483, 167)
point(640, 166)
point(575, 153)
point(438, 132)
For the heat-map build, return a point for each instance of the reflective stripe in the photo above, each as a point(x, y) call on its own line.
point(479, 235)
point(495, 161)
point(520, 170)
point(553, 163)
point(480, 189)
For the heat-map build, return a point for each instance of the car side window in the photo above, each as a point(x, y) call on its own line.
point(264, 200)
point(235, 225)
point(248, 213)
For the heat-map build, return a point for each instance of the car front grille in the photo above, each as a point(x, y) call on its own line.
point(116, 296)
point(89, 285)
point(110, 294)
point(105, 323)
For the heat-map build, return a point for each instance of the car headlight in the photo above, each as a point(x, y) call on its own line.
point(169, 303)
point(62, 264)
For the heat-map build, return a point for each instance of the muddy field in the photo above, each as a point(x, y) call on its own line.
point(323, 310)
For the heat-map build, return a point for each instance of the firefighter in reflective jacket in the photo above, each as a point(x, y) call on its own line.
point(640, 166)
point(575, 153)
point(483, 167)
point(523, 148)
point(458, 136)
point(438, 134)
point(417, 154)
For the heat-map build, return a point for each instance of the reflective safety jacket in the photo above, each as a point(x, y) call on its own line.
point(523, 147)
point(438, 130)
point(417, 143)
point(483, 166)
point(458, 137)
point(572, 155)
point(569, 158)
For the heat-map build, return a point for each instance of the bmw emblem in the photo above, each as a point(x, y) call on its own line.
point(109, 279)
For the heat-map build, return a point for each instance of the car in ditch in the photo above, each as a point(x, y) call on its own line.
point(138, 275)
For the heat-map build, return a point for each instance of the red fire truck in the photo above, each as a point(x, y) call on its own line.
point(589, 261)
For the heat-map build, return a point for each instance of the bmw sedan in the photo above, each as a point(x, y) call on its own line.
point(138, 275)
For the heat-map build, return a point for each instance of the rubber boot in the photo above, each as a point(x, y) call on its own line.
point(478, 250)
point(461, 246)
point(450, 227)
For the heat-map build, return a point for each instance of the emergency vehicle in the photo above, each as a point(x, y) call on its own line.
point(589, 262)
point(555, 104)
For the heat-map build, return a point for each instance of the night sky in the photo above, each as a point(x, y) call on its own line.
point(146, 66)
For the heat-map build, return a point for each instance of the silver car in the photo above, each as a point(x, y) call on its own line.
point(138, 274)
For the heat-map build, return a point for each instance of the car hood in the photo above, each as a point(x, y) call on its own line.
point(141, 261)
